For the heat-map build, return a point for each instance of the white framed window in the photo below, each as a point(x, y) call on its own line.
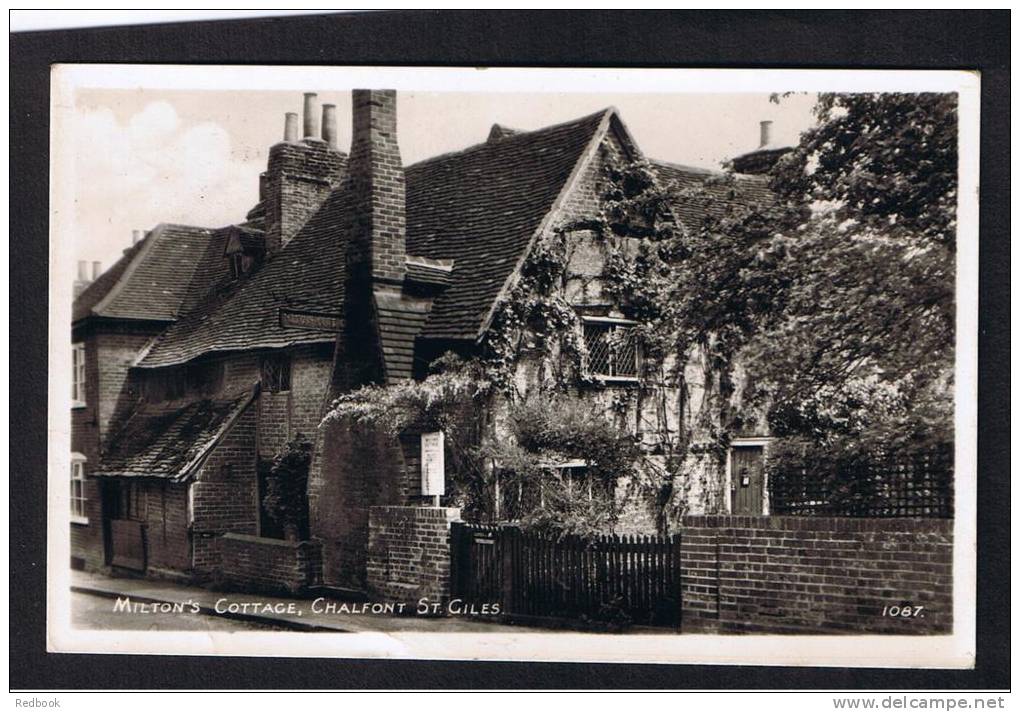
point(613, 352)
point(79, 514)
point(77, 374)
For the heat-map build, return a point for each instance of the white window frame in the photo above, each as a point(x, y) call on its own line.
point(78, 375)
point(78, 500)
point(613, 322)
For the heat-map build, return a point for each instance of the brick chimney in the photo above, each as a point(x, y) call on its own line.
point(299, 177)
point(377, 248)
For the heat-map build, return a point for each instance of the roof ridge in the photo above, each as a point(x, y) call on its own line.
point(521, 133)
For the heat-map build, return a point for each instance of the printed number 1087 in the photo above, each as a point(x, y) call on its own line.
point(903, 611)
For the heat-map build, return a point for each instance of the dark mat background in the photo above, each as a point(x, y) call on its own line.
point(977, 40)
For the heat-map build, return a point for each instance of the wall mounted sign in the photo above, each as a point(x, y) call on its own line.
point(433, 465)
point(309, 320)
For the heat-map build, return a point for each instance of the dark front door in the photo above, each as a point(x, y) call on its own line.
point(747, 479)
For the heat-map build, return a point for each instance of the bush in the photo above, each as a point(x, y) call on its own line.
point(286, 496)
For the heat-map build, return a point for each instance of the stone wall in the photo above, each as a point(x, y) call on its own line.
point(409, 553)
point(815, 574)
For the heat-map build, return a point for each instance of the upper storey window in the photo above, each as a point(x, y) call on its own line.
point(77, 375)
point(613, 349)
point(244, 248)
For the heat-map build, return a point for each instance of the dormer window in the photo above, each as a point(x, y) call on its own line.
point(244, 248)
point(236, 265)
point(613, 352)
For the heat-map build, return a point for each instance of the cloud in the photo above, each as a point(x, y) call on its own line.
point(153, 167)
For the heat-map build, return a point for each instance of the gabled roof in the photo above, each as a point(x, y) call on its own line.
point(478, 208)
point(151, 280)
point(307, 274)
point(481, 207)
point(170, 440)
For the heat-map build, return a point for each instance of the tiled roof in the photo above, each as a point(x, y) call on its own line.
point(170, 440)
point(478, 208)
point(708, 191)
point(151, 280)
point(306, 275)
point(481, 207)
point(425, 271)
point(400, 321)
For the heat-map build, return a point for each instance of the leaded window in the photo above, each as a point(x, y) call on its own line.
point(612, 349)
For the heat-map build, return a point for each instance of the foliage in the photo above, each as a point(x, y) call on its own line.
point(859, 338)
point(286, 497)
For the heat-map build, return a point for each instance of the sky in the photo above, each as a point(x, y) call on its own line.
point(145, 156)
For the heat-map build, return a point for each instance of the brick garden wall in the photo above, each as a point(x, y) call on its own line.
point(271, 565)
point(358, 467)
point(409, 553)
point(815, 574)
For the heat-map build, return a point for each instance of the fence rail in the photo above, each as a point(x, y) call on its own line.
point(609, 579)
point(915, 485)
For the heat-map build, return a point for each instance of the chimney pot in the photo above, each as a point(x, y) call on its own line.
point(83, 271)
point(766, 133)
point(329, 134)
point(96, 269)
point(136, 237)
point(290, 127)
point(311, 120)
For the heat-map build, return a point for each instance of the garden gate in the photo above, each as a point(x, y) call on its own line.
point(611, 580)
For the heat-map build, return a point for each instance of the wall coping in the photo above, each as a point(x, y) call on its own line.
point(450, 514)
point(839, 524)
point(266, 541)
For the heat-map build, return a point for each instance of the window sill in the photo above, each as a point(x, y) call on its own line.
point(83, 521)
point(77, 405)
point(616, 380)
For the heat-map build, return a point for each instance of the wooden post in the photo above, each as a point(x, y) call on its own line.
point(506, 536)
point(678, 582)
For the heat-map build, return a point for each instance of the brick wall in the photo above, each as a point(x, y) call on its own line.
point(358, 467)
point(225, 493)
point(409, 553)
point(255, 563)
point(815, 574)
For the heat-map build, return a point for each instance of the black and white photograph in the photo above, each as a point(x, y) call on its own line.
point(574, 365)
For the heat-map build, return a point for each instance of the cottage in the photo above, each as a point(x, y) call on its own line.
point(202, 352)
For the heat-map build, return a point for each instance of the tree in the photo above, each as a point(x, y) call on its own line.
point(857, 336)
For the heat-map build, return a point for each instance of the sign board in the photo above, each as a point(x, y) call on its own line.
point(433, 465)
point(307, 320)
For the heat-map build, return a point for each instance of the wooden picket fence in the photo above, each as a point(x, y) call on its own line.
point(608, 580)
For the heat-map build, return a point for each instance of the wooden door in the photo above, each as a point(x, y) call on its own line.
point(747, 479)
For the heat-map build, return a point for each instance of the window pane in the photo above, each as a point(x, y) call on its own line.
point(597, 344)
point(625, 352)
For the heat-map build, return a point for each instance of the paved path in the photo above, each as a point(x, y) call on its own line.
point(149, 598)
